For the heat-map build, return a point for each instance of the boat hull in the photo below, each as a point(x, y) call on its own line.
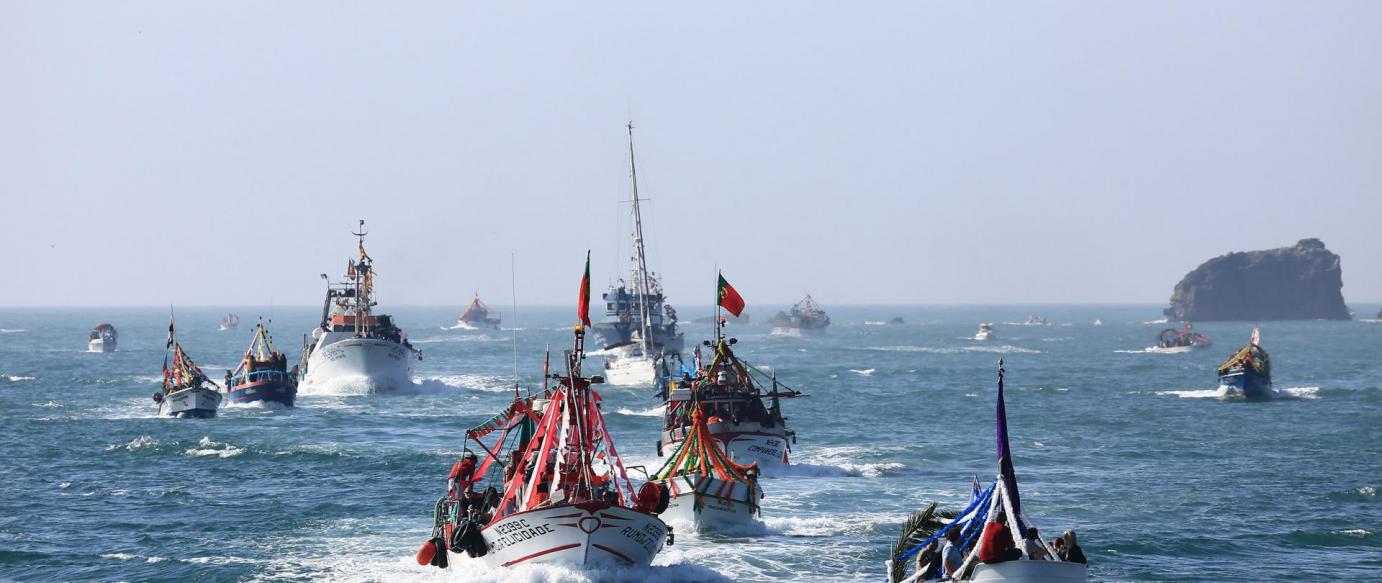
point(272, 391)
point(195, 402)
point(745, 443)
point(99, 345)
point(1246, 383)
point(723, 505)
point(630, 370)
point(590, 534)
point(614, 333)
point(383, 366)
point(1031, 572)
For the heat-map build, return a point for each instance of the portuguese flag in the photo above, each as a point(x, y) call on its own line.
point(728, 298)
point(583, 308)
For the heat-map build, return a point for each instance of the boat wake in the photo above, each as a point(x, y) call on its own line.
point(841, 470)
point(1158, 350)
point(1161, 321)
point(653, 412)
point(1005, 349)
point(16, 378)
point(461, 338)
point(353, 386)
point(12, 330)
point(862, 372)
point(464, 382)
point(1300, 393)
point(207, 447)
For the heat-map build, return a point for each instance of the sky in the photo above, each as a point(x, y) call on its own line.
point(220, 153)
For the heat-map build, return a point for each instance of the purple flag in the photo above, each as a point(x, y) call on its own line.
point(1005, 457)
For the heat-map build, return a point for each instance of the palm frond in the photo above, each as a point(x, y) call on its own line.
point(920, 525)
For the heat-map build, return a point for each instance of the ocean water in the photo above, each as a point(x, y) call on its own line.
point(1163, 479)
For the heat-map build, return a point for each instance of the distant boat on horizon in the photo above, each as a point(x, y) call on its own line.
point(478, 315)
point(803, 318)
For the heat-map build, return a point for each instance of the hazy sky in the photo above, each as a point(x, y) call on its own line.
point(220, 153)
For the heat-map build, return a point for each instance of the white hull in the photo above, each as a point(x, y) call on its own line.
point(745, 443)
point(983, 336)
point(382, 365)
point(723, 505)
point(191, 402)
point(99, 345)
point(575, 535)
point(630, 371)
point(1031, 572)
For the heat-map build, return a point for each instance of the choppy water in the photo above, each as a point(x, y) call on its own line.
point(1163, 480)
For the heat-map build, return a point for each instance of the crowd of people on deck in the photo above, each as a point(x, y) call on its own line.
point(943, 561)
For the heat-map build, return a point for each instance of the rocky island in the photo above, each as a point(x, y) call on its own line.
point(1302, 282)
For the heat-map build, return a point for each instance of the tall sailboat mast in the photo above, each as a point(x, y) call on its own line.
point(640, 262)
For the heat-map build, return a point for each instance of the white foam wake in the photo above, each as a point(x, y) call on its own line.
point(862, 372)
point(207, 447)
point(652, 412)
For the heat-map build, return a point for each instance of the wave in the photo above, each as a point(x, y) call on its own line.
point(472, 382)
point(17, 378)
point(207, 447)
point(669, 565)
point(832, 470)
point(652, 412)
point(1303, 393)
point(1005, 349)
point(1159, 350)
point(12, 330)
point(862, 372)
point(49, 405)
point(136, 444)
point(462, 338)
point(1161, 321)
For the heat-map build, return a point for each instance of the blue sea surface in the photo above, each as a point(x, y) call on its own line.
point(1163, 479)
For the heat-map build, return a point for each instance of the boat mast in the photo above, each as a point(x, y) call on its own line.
point(640, 262)
point(361, 291)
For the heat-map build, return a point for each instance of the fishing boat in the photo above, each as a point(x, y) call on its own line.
point(1248, 373)
point(352, 343)
point(1036, 320)
point(803, 318)
point(263, 374)
point(186, 391)
point(639, 303)
point(479, 316)
point(103, 338)
point(1184, 339)
point(230, 322)
point(1010, 561)
point(563, 495)
point(634, 361)
point(707, 490)
point(749, 429)
point(985, 332)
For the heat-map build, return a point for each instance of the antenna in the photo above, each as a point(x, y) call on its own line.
point(513, 297)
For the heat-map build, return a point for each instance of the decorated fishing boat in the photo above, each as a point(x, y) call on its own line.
point(1184, 339)
point(479, 316)
point(1248, 373)
point(803, 318)
point(230, 322)
point(563, 494)
point(352, 343)
point(985, 332)
point(638, 304)
point(989, 535)
point(744, 418)
point(263, 374)
point(707, 490)
point(103, 338)
point(186, 391)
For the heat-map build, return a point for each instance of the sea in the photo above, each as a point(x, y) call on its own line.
point(1162, 478)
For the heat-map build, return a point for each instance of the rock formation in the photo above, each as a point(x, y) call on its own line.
point(1291, 283)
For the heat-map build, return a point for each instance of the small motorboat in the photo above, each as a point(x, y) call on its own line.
point(1098, 322)
point(230, 322)
point(103, 338)
point(708, 491)
point(1186, 338)
point(186, 391)
point(1248, 373)
point(986, 332)
point(632, 364)
point(998, 507)
point(1035, 320)
point(263, 374)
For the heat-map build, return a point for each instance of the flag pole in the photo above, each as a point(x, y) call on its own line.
point(717, 306)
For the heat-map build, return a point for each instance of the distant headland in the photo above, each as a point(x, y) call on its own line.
point(1301, 282)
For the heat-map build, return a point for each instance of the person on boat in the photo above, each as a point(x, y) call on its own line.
point(1035, 550)
point(460, 483)
point(952, 558)
point(928, 562)
point(996, 544)
point(1059, 544)
point(1072, 552)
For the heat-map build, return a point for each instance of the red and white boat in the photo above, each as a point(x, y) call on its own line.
point(562, 495)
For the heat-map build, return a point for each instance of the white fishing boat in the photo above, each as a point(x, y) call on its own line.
point(708, 491)
point(230, 322)
point(635, 362)
point(352, 344)
point(749, 429)
point(566, 497)
point(103, 338)
point(989, 532)
point(186, 391)
point(986, 332)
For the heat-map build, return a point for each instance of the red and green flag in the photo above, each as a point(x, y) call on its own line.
point(583, 307)
point(728, 298)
